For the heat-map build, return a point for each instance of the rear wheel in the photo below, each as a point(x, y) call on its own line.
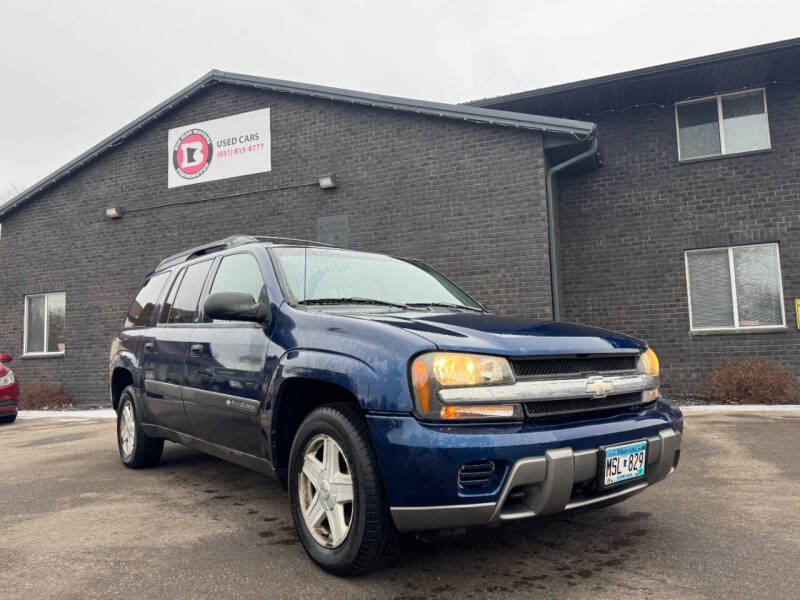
point(336, 494)
point(136, 449)
point(8, 418)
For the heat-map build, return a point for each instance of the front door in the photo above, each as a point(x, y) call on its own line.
point(225, 367)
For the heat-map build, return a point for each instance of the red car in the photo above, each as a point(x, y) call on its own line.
point(9, 392)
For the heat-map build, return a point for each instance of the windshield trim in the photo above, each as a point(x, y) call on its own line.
point(294, 302)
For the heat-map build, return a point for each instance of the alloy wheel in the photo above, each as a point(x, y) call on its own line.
point(326, 492)
point(127, 429)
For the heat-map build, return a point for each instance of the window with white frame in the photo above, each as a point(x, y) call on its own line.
point(737, 288)
point(44, 324)
point(720, 125)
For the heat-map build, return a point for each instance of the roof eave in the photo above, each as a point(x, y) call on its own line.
point(541, 124)
point(646, 72)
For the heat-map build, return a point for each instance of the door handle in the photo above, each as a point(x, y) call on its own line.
point(150, 347)
point(196, 349)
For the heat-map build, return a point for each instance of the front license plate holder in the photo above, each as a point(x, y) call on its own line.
point(620, 464)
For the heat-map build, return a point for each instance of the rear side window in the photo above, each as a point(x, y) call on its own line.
point(162, 318)
point(184, 306)
point(145, 303)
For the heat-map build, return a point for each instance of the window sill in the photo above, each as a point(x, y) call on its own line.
point(688, 161)
point(743, 330)
point(43, 355)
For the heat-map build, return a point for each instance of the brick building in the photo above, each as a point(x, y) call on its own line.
point(689, 234)
point(585, 177)
point(461, 188)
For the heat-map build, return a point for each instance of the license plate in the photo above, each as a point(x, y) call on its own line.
point(623, 462)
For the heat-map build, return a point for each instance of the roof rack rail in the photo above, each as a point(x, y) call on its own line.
point(223, 244)
point(272, 238)
point(228, 242)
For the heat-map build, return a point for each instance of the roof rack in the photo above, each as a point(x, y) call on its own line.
point(224, 244)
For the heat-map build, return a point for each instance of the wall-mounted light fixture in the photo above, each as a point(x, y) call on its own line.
point(114, 212)
point(326, 181)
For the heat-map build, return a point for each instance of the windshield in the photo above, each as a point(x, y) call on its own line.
point(329, 274)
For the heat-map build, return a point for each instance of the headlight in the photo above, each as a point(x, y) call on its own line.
point(648, 362)
point(7, 379)
point(436, 370)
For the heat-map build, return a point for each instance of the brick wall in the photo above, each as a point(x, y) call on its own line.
point(624, 229)
point(466, 198)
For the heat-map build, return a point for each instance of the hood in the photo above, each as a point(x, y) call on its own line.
point(511, 336)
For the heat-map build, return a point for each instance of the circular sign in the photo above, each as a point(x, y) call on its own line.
point(192, 153)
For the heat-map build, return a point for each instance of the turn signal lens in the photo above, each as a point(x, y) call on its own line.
point(649, 362)
point(419, 376)
point(451, 368)
point(451, 411)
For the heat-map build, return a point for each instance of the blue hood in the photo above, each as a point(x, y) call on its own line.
point(512, 336)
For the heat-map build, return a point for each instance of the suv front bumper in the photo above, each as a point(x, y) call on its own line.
point(541, 467)
point(545, 485)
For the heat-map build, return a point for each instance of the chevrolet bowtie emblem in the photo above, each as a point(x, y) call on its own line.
point(599, 387)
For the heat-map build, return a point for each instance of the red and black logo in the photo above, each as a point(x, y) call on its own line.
point(192, 153)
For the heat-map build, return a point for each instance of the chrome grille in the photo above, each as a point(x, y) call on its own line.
point(575, 365)
point(551, 408)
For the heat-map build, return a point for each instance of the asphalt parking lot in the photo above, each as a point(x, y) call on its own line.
point(74, 523)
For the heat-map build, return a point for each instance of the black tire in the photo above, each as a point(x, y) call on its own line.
point(146, 450)
point(373, 539)
point(8, 418)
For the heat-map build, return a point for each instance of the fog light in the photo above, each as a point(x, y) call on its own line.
point(652, 395)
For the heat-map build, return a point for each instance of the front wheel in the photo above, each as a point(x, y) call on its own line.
point(136, 449)
point(336, 494)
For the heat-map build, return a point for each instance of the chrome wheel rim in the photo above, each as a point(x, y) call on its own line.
point(127, 429)
point(325, 486)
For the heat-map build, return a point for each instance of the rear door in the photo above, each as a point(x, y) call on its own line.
point(164, 356)
point(225, 375)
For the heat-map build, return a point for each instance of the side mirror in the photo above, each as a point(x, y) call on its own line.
point(236, 306)
point(5, 358)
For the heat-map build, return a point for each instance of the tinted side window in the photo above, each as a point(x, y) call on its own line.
point(145, 303)
point(176, 283)
point(184, 307)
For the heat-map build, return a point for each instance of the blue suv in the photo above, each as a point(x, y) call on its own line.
point(383, 397)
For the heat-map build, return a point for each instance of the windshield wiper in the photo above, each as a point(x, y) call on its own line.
point(353, 301)
point(447, 305)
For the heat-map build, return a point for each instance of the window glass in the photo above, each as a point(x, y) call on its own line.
point(710, 286)
point(745, 123)
point(758, 288)
point(317, 273)
point(44, 324)
point(184, 306)
point(238, 273)
point(145, 302)
point(173, 290)
point(758, 301)
point(699, 129)
point(56, 305)
point(35, 325)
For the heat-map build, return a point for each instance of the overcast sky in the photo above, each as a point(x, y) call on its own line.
point(75, 71)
